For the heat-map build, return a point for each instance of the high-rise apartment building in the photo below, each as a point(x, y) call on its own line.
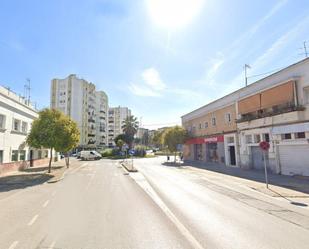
point(116, 116)
point(79, 99)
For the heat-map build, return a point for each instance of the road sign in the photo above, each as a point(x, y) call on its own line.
point(264, 145)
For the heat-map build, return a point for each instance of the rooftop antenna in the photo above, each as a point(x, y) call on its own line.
point(246, 78)
point(305, 49)
point(28, 89)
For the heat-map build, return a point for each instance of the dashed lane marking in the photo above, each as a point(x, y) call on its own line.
point(31, 222)
point(45, 203)
point(13, 245)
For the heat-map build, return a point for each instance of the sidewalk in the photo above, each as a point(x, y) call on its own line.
point(32, 176)
point(256, 179)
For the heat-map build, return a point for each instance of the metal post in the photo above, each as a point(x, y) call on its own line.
point(265, 168)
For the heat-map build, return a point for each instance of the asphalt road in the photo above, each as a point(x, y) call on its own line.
point(219, 217)
point(96, 206)
point(99, 206)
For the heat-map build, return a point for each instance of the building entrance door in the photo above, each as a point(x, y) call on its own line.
point(232, 155)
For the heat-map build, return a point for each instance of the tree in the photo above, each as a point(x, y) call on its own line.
point(120, 143)
point(120, 137)
point(158, 138)
point(130, 125)
point(174, 136)
point(53, 130)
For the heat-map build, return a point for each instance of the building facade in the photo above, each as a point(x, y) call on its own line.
point(273, 109)
point(79, 99)
point(116, 116)
point(16, 116)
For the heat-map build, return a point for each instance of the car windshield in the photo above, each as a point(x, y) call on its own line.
point(154, 124)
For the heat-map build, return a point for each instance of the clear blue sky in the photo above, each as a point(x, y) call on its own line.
point(161, 60)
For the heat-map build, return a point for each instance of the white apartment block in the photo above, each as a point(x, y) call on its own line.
point(79, 99)
point(16, 116)
point(116, 116)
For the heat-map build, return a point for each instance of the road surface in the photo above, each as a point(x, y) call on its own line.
point(96, 206)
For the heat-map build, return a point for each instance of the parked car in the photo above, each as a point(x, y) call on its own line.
point(90, 155)
point(78, 155)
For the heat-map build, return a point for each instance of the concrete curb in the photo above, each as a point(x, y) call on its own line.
point(127, 169)
point(57, 179)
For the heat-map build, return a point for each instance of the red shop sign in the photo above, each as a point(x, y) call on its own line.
point(207, 140)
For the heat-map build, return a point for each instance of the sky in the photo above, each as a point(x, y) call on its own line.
point(160, 58)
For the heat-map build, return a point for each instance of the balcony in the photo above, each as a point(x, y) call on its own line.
point(91, 142)
point(91, 135)
point(275, 110)
point(90, 120)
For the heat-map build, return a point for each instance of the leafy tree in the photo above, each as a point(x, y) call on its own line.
point(122, 137)
point(158, 138)
point(120, 143)
point(53, 130)
point(130, 125)
point(174, 136)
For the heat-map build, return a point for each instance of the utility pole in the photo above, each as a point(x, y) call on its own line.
point(246, 78)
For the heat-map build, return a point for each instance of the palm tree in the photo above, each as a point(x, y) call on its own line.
point(130, 126)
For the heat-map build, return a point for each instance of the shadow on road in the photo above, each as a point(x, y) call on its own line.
point(172, 164)
point(12, 182)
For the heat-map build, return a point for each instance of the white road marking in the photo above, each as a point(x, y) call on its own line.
point(142, 182)
point(81, 166)
point(33, 220)
point(13, 245)
point(52, 245)
point(45, 203)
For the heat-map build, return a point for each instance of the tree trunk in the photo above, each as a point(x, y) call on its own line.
point(67, 161)
point(50, 160)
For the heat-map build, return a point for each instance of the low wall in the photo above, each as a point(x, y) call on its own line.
point(15, 166)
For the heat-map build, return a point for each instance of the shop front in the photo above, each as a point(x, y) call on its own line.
point(210, 149)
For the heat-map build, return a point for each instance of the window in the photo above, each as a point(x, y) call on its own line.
point(2, 121)
point(266, 137)
point(1, 156)
point(286, 136)
point(257, 138)
point(200, 126)
point(228, 118)
point(22, 155)
point(24, 127)
point(16, 124)
point(206, 124)
point(14, 155)
point(213, 121)
point(300, 135)
point(248, 139)
point(230, 140)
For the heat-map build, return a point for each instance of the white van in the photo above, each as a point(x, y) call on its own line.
point(90, 155)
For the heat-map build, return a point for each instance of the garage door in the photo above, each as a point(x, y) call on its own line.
point(294, 159)
point(257, 157)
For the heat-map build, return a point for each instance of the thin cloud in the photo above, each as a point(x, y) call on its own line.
point(151, 84)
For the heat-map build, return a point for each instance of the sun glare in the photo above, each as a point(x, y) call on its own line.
point(173, 14)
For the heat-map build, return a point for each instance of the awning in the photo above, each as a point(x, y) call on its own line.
point(293, 128)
